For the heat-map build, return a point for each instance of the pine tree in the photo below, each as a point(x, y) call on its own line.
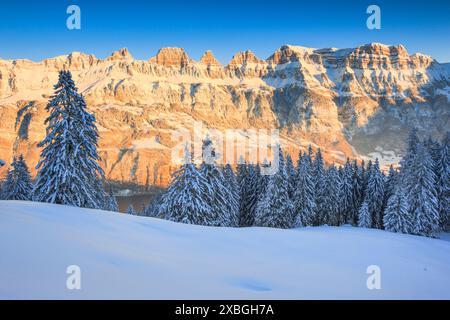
point(406, 162)
point(184, 199)
point(68, 169)
point(365, 218)
point(275, 208)
point(310, 151)
point(331, 203)
point(217, 194)
point(347, 193)
point(443, 183)
point(130, 210)
point(358, 194)
point(421, 192)
point(397, 217)
point(234, 192)
point(152, 209)
point(303, 197)
point(263, 179)
point(290, 169)
point(390, 182)
point(367, 174)
point(319, 179)
point(112, 202)
point(249, 197)
point(375, 195)
point(18, 184)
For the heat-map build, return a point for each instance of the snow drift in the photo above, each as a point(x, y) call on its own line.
point(122, 256)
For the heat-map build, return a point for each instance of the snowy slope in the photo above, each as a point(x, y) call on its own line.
point(124, 256)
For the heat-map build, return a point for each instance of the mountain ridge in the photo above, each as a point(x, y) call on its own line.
point(354, 102)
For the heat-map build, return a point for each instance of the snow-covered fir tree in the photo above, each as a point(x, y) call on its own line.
point(358, 192)
point(68, 171)
point(131, 210)
point(396, 217)
point(389, 186)
point(406, 161)
point(184, 199)
point(375, 194)
point(319, 189)
point(263, 179)
point(331, 213)
point(249, 196)
point(303, 197)
point(443, 183)
point(152, 209)
point(347, 193)
point(234, 191)
point(275, 208)
point(111, 204)
point(310, 151)
point(18, 184)
point(290, 170)
point(367, 173)
point(217, 194)
point(365, 217)
point(421, 191)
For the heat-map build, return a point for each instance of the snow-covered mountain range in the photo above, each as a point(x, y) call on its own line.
point(350, 102)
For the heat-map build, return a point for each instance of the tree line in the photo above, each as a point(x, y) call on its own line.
point(413, 199)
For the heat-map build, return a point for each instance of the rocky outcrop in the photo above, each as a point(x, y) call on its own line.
point(171, 57)
point(350, 102)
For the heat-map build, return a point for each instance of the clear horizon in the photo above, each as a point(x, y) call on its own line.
point(36, 31)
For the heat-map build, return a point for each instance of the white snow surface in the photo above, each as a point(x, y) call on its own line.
point(123, 256)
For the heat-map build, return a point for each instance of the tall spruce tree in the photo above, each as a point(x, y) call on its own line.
point(406, 162)
point(320, 194)
point(275, 208)
point(217, 194)
point(184, 199)
point(358, 192)
point(290, 170)
point(249, 197)
point(365, 217)
point(18, 184)
point(421, 191)
point(233, 188)
point(263, 179)
point(397, 217)
point(347, 193)
point(375, 195)
point(303, 197)
point(389, 186)
point(331, 213)
point(68, 171)
point(443, 183)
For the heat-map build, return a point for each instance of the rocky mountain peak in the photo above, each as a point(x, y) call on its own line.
point(289, 53)
point(242, 58)
point(209, 59)
point(121, 54)
point(169, 57)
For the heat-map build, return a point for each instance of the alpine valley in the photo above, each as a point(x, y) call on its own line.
point(358, 102)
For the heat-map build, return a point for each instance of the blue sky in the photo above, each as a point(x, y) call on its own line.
point(37, 29)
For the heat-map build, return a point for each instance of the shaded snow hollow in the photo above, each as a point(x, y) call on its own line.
point(124, 256)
